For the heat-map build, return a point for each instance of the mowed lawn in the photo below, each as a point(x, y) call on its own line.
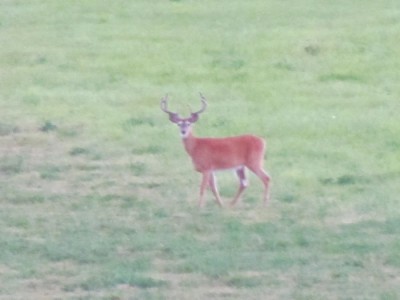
point(98, 199)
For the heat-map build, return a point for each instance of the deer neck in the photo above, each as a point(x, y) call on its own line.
point(189, 142)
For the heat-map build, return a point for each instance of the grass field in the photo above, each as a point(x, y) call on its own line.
point(98, 197)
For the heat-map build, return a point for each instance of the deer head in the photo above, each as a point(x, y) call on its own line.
point(183, 123)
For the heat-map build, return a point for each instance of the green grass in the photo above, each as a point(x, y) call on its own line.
point(98, 197)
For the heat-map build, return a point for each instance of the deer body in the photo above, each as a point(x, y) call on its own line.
point(223, 153)
point(213, 154)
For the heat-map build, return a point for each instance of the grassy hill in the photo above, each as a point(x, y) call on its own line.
point(98, 197)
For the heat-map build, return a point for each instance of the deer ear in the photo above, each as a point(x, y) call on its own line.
point(174, 118)
point(193, 118)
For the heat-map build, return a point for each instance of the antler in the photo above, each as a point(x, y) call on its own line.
point(195, 116)
point(204, 102)
point(163, 104)
point(173, 117)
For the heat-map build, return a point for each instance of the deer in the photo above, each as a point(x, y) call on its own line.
point(214, 154)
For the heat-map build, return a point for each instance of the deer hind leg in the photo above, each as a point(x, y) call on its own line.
point(265, 178)
point(214, 189)
point(241, 173)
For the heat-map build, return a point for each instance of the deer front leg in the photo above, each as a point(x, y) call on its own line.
point(204, 183)
point(214, 189)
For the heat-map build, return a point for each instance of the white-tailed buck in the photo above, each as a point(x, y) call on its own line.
point(213, 154)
